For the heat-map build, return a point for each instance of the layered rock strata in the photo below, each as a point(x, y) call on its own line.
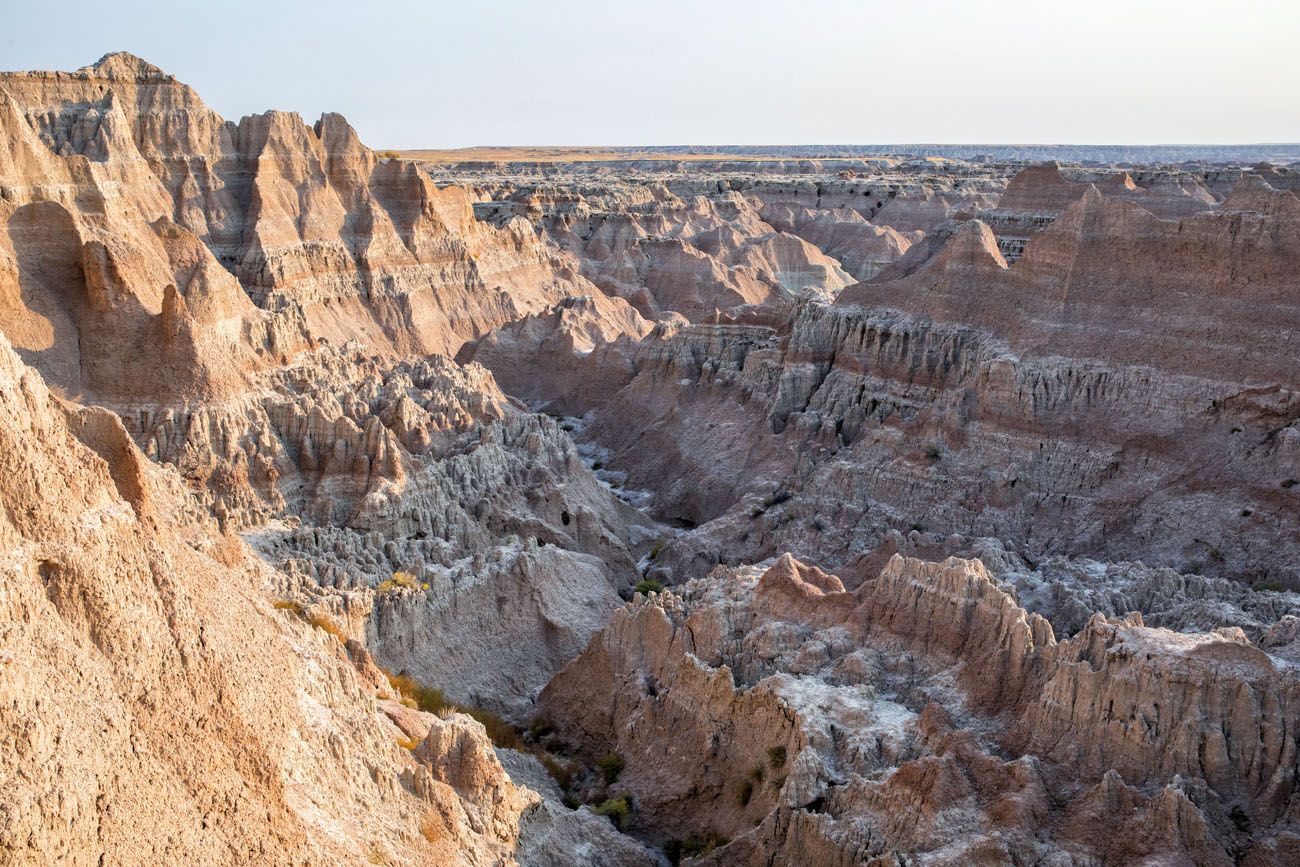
point(927, 718)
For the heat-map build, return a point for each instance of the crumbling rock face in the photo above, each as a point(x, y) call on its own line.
point(120, 597)
point(424, 470)
point(1078, 376)
point(917, 402)
point(120, 172)
point(689, 242)
point(878, 724)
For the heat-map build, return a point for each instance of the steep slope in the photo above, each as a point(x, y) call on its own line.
point(260, 301)
point(156, 708)
point(119, 182)
point(1122, 392)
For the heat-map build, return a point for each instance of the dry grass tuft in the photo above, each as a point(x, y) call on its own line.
point(325, 623)
point(417, 695)
point(400, 581)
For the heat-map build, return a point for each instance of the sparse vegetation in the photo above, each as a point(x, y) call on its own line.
point(400, 581)
point(408, 743)
point(325, 623)
point(648, 586)
point(776, 757)
point(432, 700)
point(563, 771)
point(610, 765)
point(745, 792)
point(389, 155)
point(777, 499)
point(692, 847)
point(287, 605)
point(501, 733)
point(619, 810)
point(425, 698)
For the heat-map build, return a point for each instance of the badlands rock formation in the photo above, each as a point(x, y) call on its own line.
point(307, 448)
point(1058, 404)
point(158, 708)
point(926, 718)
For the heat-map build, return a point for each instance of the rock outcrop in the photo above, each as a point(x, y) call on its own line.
point(304, 447)
point(927, 717)
point(156, 707)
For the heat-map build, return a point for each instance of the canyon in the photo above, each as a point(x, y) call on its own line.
point(896, 506)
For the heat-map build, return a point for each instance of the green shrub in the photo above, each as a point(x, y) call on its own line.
point(619, 810)
point(692, 847)
point(610, 765)
point(648, 586)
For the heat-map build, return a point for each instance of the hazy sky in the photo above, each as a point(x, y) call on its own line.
point(441, 74)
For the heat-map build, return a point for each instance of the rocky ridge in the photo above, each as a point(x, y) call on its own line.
point(926, 718)
point(1075, 378)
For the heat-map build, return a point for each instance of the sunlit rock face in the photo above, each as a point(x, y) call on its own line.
point(925, 714)
point(766, 508)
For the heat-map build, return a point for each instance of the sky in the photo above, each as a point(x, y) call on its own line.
point(438, 74)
